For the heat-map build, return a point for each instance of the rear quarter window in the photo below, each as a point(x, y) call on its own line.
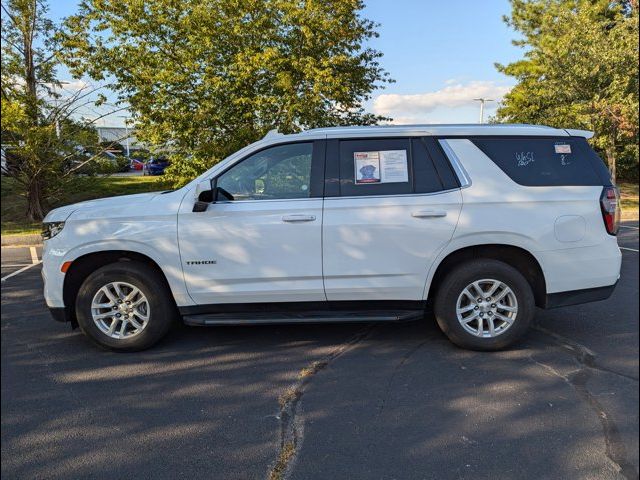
point(548, 161)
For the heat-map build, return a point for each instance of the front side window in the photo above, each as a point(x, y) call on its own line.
point(279, 172)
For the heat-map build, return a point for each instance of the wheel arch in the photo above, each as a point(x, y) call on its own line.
point(519, 258)
point(84, 265)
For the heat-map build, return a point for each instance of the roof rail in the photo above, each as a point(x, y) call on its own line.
point(273, 133)
point(574, 132)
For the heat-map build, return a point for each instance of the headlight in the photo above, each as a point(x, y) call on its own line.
point(51, 229)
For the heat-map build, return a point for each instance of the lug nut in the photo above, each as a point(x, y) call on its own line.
point(493, 305)
point(118, 315)
point(479, 300)
point(490, 314)
point(481, 314)
point(488, 299)
point(476, 307)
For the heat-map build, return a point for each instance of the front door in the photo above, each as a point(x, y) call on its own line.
point(264, 245)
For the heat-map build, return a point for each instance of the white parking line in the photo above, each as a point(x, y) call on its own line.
point(19, 271)
point(34, 255)
point(630, 249)
point(632, 228)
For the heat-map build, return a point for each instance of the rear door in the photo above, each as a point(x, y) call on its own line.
point(391, 204)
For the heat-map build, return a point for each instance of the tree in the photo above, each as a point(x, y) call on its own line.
point(44, 143)
point(580, 70)
point(206, 77)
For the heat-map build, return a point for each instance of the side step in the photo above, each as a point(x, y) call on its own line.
point(271, 318)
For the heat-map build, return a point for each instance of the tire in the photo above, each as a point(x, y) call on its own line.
point(478, 312)
point(157, 307)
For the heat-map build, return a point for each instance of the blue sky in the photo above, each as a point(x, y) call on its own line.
point(441, 55)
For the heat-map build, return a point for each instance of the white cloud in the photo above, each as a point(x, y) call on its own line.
point(74, 85)
point(421, 107)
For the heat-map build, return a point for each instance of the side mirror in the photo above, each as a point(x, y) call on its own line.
point(204, 196)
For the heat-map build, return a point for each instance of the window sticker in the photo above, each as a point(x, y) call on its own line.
point(562, 148)
point(386, 166)
point(367, 165)
point(394, 166)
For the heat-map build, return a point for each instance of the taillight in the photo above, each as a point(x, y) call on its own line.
point(610, 206)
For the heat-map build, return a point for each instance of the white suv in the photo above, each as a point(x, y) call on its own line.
point(484, 223)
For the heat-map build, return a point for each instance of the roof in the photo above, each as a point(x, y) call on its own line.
point(119, 135)
point(438, 130)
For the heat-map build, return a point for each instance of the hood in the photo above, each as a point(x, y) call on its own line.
point(61, 214)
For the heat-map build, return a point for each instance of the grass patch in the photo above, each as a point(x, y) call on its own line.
point(629, 201)
point(79, 189)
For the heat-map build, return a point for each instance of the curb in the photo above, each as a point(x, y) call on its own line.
point(21, 240)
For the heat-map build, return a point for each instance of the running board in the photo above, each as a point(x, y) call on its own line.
point(271, 318)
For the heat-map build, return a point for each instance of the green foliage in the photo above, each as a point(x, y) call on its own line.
point(580, 70)
point(78, 189)
point(43, 143)
point(207, 77)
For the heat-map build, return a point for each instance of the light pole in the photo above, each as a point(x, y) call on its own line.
point(126, 130)
point(482, 102)
point(53, 88)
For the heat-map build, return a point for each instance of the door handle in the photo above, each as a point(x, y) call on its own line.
point(298, 218)
point(429, 214)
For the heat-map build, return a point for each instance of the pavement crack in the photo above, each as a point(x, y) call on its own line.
point(586, 359)
point(397, 368)
point(291, 421)
point(582, 354)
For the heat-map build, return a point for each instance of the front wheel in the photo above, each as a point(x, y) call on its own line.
point(484, 305)
point(124, 306)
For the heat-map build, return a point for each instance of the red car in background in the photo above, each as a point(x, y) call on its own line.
point(136, 164)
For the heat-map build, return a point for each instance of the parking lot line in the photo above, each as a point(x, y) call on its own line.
point(34, 255)
point(20, 271)
point(630, 249)
point(627, 226)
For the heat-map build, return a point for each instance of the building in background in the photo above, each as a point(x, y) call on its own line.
point(122, 135)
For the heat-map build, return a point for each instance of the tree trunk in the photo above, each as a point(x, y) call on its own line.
point(35, 211)
point(611, 162)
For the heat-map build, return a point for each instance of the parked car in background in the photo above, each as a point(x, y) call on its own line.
point(136, 164)
point(155, 166)
point(482, 222)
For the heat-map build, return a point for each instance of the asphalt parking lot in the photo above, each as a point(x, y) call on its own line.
point(386, 401)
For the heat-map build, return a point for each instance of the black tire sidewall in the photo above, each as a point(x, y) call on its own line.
point(461, 277)
point(146, 279)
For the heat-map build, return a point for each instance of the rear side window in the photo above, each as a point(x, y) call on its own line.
point(386, 166)
point(376, 167)
point(537, 161)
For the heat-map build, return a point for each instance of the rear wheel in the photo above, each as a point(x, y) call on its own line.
point(484, 305)
point(124, 306)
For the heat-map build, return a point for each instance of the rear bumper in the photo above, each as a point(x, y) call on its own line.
point(576, 297)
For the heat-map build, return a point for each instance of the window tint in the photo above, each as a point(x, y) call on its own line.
point(535, 161)
point(279, 172)
point(426, 178)
point(375, 167)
